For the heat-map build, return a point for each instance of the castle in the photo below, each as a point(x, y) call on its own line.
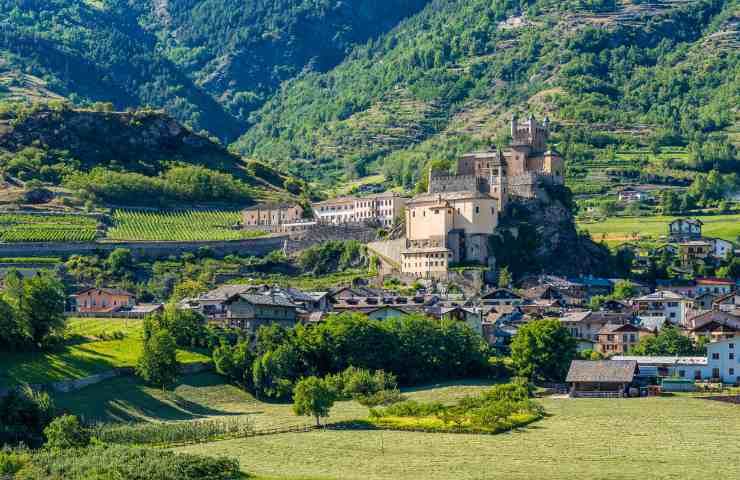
point(451, 223)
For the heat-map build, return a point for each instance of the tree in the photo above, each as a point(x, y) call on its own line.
point(669, 201)
point(624, 289)
point(669, 342)
point(120, 261)
point(158, 362)
point(543, 350)
point(66, 432)
point(41, 307)
point(504, 278)
point(312, 397)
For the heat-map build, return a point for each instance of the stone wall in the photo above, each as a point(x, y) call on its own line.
point(253, 246)
point(456, 183)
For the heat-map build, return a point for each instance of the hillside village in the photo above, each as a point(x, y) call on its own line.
point(386, 240)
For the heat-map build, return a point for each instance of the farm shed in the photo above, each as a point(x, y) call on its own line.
point(602, 378)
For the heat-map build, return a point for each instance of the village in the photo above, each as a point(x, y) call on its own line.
point(433, 238)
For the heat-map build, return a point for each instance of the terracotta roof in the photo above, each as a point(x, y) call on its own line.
point(109, 291)
point(613, 371)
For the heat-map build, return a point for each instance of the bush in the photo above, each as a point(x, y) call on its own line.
point(119, 462)
point(66, 432)
point(23, 416)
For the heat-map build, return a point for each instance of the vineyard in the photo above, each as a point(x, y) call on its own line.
point(178, 225)
point(47, 228)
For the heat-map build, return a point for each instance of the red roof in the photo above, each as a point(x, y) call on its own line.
point(714, 281)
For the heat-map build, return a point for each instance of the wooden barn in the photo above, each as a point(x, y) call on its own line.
point(602, 378)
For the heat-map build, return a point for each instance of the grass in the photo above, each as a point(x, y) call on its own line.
point(83, 355)
point(621, 229)
point(661, 438)
point(178, 225)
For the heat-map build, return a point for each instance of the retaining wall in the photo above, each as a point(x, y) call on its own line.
point(252, 246)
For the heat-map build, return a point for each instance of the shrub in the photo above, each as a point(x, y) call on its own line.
point(66, 432)
point(23, 416)
point(120, 462)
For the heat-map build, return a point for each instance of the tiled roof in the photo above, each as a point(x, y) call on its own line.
point(616, 371)
point(224, 292)
point(109, 291)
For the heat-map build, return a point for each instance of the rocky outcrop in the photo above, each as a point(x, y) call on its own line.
point(540, 236)
point(141, 141)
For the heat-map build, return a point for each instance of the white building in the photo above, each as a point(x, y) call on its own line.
point(723, 360)
point(670, 306)
point(382, 207)
point(721, 248)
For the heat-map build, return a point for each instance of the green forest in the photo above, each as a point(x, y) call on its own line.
point(330, 90)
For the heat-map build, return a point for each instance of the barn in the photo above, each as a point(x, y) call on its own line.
point(601, 378)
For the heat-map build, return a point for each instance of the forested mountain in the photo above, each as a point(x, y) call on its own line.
point(331, 89)
point(449, 78)
point(208, 62)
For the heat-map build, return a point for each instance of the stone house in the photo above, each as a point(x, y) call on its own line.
point(271, 217)
point(102, 300)
point(714, 324)
point(473, 317)
point(250, 311)
point(695, 251)
point(501, 296)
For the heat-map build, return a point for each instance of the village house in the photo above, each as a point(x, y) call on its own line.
point(602, 378)
point(684, 229)
point(102, 300)
point(716, 286)
point(615, 339)
point(272, 217)
point(721, 249)
point(665, 305)
point(695, 251)
point(723, 360)
point(212, 304)
point(250, 311)
point(473, 317)
point(385, 312)
point(715, 325)
point(501, 296)
point(728, 303)
point(632, 195)
point(586, 325)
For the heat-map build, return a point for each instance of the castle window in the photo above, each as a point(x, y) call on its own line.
point(477, 209)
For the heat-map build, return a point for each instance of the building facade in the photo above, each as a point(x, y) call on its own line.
point(272, 217)
point(382, 208)
point(102, 300)
point(684, 229)
point(451, 223)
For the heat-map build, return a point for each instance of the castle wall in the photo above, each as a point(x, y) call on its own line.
point(456, 183)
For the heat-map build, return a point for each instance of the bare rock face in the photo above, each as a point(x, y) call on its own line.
point(540, 237)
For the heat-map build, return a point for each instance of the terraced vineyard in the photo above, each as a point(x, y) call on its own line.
point(47, 228)
point(178, 225)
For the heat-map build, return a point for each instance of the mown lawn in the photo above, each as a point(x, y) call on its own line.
point(619, 229)
point(651, 438)
point(83, 355)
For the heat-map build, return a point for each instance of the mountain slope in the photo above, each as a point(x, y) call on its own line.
point(209, 63)
point(449, 78)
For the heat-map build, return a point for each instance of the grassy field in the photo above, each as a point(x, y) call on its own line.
point(652, 438)
point(84, 354)
point(649, 438)
point(619, 229)
point(186, 225)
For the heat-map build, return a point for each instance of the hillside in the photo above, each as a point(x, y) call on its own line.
point(139, 157)
point(629, 74)
point(208, 63)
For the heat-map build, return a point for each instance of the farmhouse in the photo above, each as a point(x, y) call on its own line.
point(602, 378)
point(102, 300)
